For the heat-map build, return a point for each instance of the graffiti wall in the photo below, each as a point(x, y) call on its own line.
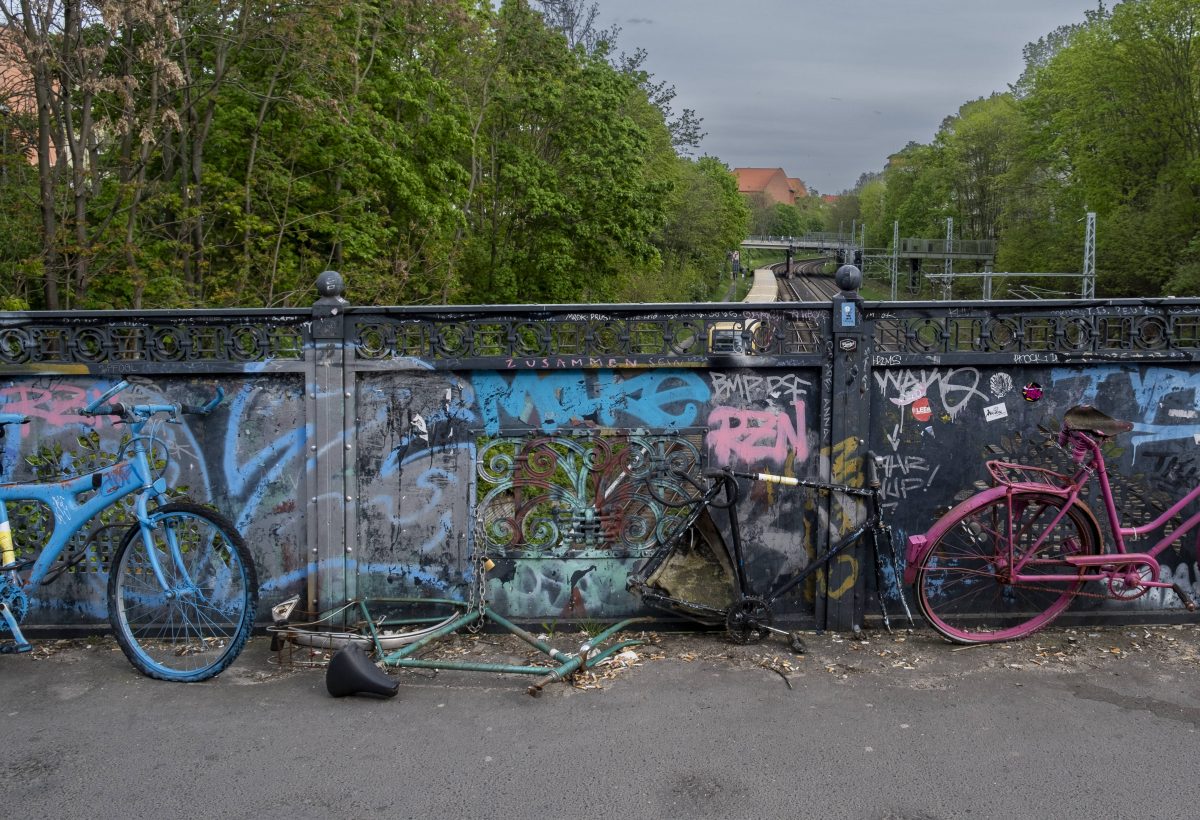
point(548, 474)
point(384, 452)
point(937, 426)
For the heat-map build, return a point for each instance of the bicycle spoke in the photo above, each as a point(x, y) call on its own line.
point(965, 586)
point(197, 625)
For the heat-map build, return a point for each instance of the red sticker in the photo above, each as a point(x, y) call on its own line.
point(921, 410)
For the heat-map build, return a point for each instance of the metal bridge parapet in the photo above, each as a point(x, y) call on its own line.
point(367, 450)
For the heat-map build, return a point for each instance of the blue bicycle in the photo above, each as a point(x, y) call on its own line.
point(182, 587)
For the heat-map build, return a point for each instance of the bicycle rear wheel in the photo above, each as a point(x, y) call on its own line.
point(964, 586)
point(195, 628)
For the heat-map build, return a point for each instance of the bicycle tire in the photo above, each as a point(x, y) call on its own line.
point(961, 585)
point(197, 630)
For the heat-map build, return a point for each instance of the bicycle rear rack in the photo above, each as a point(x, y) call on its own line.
point(1025, 477)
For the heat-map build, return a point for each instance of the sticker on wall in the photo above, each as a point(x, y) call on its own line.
point(995, 412)
point(921, 410)
point(1001, 384)
point(1032, 391)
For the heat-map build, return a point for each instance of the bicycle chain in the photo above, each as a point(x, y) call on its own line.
point(482, 564)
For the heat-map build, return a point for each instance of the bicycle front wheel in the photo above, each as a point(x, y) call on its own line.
point(195, 627)
point(964, 584)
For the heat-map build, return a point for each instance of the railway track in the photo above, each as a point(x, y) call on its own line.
point(806, 282)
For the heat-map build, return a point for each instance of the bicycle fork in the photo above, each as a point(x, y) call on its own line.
point(170, 546)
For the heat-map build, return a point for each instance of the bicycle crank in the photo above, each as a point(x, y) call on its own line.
point(749, 620)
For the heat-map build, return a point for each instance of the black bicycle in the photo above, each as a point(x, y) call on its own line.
point(688, 576)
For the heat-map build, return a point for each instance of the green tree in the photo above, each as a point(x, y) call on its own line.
point(565, 204)
point(706, 219)
point(1118, 114)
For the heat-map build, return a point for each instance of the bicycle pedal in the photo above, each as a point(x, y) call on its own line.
point(1188, 603)
point(14, 648)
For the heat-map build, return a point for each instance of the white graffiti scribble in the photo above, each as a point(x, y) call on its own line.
point(956, 386)
point(905, 474)
point(751, 387)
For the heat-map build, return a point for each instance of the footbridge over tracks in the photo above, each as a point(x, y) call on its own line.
point(982, 251)
point(368, 451)
point(823, 242)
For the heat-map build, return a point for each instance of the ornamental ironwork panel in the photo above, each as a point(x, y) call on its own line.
point(581, 339)
point(1108, 332)
point(180, 339)
point(583, 494)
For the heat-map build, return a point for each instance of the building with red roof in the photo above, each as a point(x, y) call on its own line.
point(770, 183)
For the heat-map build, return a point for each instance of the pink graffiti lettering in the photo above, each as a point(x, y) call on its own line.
point(754, 436)
point(55, 405)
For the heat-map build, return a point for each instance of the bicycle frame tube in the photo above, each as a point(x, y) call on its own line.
point(822, 560)
point(1121, 532)
point(697, 506)
point(107, 487)
point(871, 494)
point(1095, 465)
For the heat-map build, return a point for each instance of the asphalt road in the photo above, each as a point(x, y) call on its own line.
point(1069, 724)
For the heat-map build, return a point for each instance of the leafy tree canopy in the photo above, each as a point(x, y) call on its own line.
point(433, 151)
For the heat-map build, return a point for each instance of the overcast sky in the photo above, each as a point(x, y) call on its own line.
point(827, 89)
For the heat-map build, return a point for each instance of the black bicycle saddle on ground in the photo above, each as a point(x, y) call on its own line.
point(351, 672)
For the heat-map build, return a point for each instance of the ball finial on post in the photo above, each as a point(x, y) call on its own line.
point(848, 278)
point(331, 285)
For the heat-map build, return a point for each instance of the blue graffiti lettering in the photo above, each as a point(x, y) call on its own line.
point(659, 399)
point(249, 480)
point(1150, 394)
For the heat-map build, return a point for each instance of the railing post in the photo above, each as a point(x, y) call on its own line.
point(851, 410)
point(329, 581)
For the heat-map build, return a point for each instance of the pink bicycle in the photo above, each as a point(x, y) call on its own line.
point(1009, 560)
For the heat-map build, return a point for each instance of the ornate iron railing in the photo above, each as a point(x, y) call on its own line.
point(583, 494)
point(585, 338)
point(1031, 333)
point(153, 340)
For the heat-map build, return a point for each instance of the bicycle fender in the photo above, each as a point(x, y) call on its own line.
point(918, 545)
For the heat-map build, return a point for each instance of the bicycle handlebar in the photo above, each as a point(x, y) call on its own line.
point(145, 411)
point(707, 495)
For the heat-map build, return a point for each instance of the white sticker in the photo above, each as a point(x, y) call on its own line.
point(1181, 414)
point(1001, 384)
point(996, 411)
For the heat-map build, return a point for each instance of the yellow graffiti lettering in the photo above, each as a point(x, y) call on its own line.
point(850, 576)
